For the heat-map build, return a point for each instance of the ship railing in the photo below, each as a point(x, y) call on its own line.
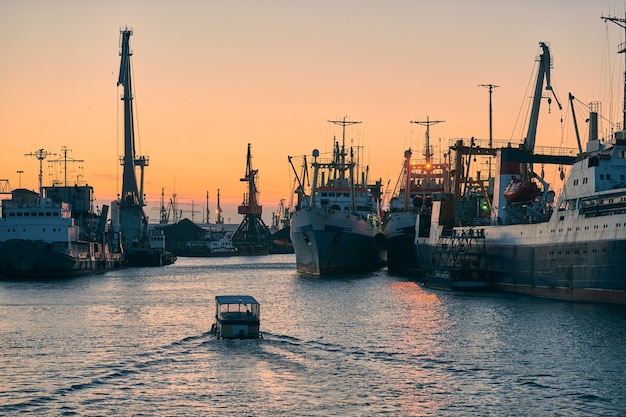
point(504, 143)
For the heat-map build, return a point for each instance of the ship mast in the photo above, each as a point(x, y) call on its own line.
point(343, 123)
point(622, 50)
point(428, 123)
point(40, 154)
point(427, 152)
point(490, 87)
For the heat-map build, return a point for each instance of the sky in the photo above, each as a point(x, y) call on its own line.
point(209, 77)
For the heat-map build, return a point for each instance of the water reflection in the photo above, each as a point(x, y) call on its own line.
point(138, 342)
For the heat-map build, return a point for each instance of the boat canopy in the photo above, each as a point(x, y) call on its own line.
point(235, 299)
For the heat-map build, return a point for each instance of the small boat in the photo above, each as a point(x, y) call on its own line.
point(518, 191)
point(209, 248)
point(236, 317)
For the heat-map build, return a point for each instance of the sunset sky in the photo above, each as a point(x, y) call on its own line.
point(210, 77)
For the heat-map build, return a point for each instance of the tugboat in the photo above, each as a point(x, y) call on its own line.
point(142, 247)
point(337, 229)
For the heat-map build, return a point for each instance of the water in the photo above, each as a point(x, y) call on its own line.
point(137, 342)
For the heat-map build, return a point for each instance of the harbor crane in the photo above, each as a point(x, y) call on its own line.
point(252, 235)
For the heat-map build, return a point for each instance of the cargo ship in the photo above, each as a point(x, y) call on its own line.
point(337, 229)
point(55, 234)
point(525, 239)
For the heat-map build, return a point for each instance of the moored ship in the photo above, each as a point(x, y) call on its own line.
point(55, 234)
point(337, 228)
point(572, 247)
point(409, 210)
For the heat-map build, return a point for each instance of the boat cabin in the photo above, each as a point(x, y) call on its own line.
point(236, 317)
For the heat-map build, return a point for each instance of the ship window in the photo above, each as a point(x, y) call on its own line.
point(48, 214)
point(608, 177)
point(585, 180)
point(576, 181)
point(601, 176)
point(19, 214)
point(621, 177)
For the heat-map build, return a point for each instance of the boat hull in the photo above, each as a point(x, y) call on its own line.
point(32, 259)
point(140, 257)
point(399, 238)
point(567, 268)
point(333, 242)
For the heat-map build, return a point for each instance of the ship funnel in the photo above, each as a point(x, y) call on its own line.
point(593, 126)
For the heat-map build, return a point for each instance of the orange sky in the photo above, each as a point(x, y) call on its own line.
point(211, 77)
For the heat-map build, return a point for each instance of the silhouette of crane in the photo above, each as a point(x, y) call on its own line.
point(252, 235)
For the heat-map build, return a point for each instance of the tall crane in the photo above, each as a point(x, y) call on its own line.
point(142, 249)
point(133, 220)
point(252, 235)
point(545, 63)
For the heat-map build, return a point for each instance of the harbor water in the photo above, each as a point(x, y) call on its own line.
point(137, 342)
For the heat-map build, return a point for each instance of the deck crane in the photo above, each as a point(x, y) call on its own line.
point(252, 235)
point(303, 181)
point(545, 62)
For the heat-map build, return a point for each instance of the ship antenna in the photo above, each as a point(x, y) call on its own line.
point(40, 154)
point(490, 87)
point(343, 123)
point(428, 123)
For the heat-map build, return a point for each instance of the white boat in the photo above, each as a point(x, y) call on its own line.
point(220, 247)
point(237, 317)
point(337, 228)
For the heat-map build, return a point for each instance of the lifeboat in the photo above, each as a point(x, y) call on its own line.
point(518, 191)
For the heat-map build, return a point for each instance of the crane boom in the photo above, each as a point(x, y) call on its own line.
point(543, 72)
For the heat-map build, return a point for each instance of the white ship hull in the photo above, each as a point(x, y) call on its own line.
point(570, 257)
